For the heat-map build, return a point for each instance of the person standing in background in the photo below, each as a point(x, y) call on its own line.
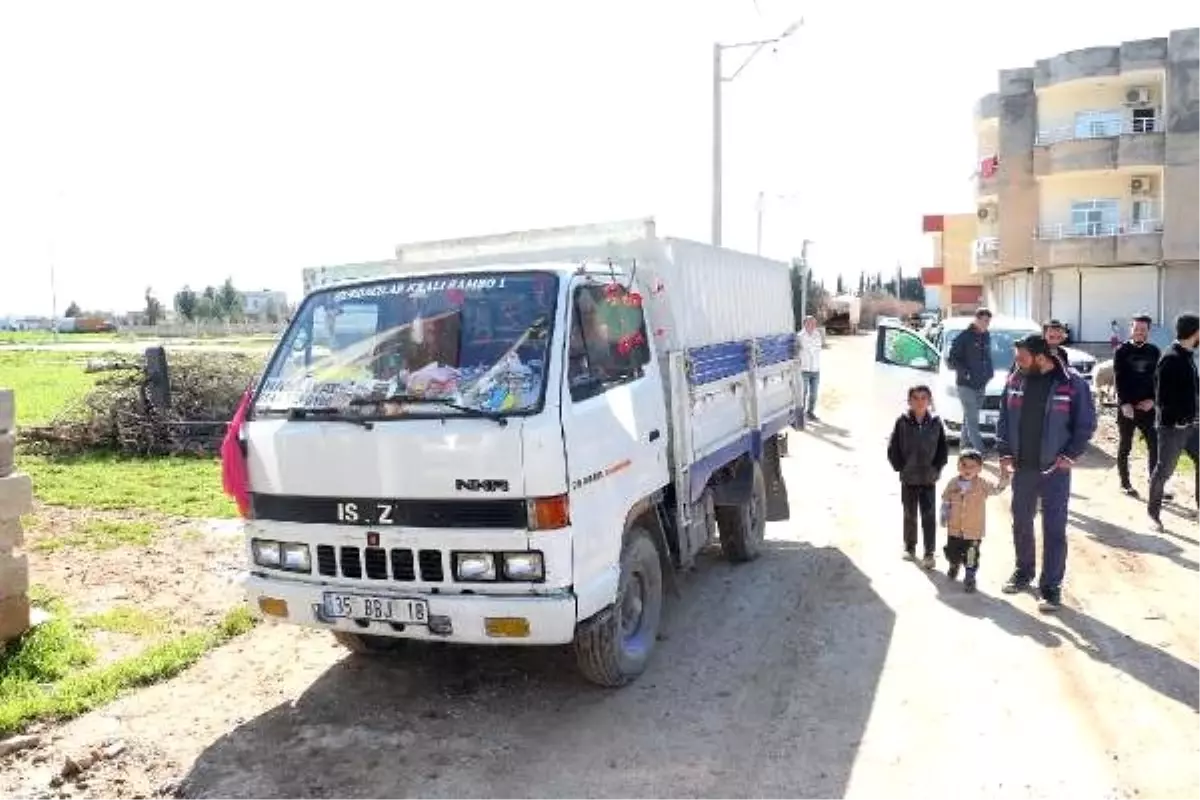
point(970, 357)
point(1134, 364)
point(809, 342)
point(1176, 397)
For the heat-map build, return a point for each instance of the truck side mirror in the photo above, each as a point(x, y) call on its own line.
point(158, 378)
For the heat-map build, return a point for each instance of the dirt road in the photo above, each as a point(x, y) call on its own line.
point(827, 668)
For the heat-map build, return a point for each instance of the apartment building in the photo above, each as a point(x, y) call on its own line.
point(951, 284)
point(1087, 185)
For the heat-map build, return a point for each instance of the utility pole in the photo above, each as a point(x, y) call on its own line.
point(804, 272)
point(718, 78)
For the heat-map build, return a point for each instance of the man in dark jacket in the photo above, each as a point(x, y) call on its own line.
point(970, 357)
point(1046, 421)
point(1133, 370)
point(917, 451)
point(1176, 390)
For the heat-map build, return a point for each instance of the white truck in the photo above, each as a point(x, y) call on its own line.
point(518, 439)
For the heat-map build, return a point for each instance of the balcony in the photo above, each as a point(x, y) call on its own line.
point(986, 256)
point(1098, 243)
point(1104, 146)
point(987, 176)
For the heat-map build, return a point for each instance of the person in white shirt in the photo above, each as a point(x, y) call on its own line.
point(809, 342)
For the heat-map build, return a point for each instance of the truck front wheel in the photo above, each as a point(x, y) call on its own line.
point(614, 647)
point(744, 527)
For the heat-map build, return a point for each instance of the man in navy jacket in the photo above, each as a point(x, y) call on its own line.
point(1046, 420)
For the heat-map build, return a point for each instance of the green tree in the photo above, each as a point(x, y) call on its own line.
point(229, 300)
point(73, 310)
point(185, 303)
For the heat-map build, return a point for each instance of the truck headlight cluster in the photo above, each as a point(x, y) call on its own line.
point(483, 567)
point(288, 556)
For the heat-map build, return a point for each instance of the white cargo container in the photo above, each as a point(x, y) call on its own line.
point(518, 439)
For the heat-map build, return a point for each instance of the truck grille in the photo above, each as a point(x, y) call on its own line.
point(500, 513)
point(378, 564)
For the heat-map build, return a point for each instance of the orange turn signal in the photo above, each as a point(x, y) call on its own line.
point(549, 513)
point(273, 606)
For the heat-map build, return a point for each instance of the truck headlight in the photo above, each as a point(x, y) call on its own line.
point(474, 567)
point(290, 556)
point(265, 551)
point(524, 566)
point(294, 557)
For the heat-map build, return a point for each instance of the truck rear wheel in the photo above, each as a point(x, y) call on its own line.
point(366, 644)
point(744, 527)
point(614, 647)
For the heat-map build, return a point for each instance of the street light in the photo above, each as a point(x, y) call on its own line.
point(760, 208)
point(718, 79)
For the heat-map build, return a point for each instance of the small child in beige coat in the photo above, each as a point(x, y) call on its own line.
point(964, 514)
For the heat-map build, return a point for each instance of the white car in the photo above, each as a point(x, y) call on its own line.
point(904, 357)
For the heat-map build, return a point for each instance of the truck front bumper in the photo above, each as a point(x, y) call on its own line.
point(464, 619)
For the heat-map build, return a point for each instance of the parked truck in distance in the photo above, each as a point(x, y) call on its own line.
point(843, 314)
point(518, 440)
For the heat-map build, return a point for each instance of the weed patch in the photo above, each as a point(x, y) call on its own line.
point(38, 681)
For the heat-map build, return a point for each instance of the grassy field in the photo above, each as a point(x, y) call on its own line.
point(47, 337)
point(46, 383)
point(51, 673)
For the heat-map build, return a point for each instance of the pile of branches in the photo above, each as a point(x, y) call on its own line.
point(117, 417)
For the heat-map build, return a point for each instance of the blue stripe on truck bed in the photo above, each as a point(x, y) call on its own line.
point(715, 362)
point(774, 349)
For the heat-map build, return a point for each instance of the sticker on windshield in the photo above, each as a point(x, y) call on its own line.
point(420, 287)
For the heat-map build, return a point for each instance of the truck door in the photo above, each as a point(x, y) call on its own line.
point(615, 429)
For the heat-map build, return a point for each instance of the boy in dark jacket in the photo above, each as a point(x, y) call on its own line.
point(917, 451)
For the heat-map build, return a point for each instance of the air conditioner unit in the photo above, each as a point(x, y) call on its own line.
point(1140, 185)
point(1137, 96)
point(987, 213)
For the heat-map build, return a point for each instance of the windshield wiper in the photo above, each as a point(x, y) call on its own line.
point(332, 413)
point(466, 411)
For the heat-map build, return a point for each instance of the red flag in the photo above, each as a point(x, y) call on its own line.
point(235, 477)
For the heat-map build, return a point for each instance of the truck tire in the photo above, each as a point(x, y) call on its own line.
point(744, 527)
point(614, 647)
point(367, 645)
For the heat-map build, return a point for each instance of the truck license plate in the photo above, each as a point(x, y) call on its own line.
point(401, 610)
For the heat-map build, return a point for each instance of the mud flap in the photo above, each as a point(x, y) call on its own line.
point(657, 528)
point(778, 508)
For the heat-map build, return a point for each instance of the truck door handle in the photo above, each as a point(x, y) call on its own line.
point(654, 434)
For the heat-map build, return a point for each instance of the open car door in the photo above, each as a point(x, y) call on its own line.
point(903, 359)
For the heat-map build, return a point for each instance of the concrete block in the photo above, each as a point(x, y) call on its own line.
point(8, 449)
point(14, 617)
point(12, 535)
point(8, 410)
point(14, 575)
point(16, 495)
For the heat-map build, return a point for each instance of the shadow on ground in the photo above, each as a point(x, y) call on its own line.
point(1150, 666)
point(762, 687)
point(1124, 539)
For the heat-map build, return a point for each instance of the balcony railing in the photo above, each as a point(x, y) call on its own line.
point(1096, 230)
point(1106, 129)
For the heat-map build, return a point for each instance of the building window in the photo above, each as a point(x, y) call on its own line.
point(1095, 217)
point(1097, 124)
point(1144, 120)
point(1144, 219)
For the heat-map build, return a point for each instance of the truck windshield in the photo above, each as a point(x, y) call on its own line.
point(422, 345)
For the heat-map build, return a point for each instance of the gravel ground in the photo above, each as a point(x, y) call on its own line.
point(827, 668)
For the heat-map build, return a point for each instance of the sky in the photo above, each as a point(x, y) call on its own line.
point(150, 144)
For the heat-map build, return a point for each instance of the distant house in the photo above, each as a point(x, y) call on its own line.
point(264, 303)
